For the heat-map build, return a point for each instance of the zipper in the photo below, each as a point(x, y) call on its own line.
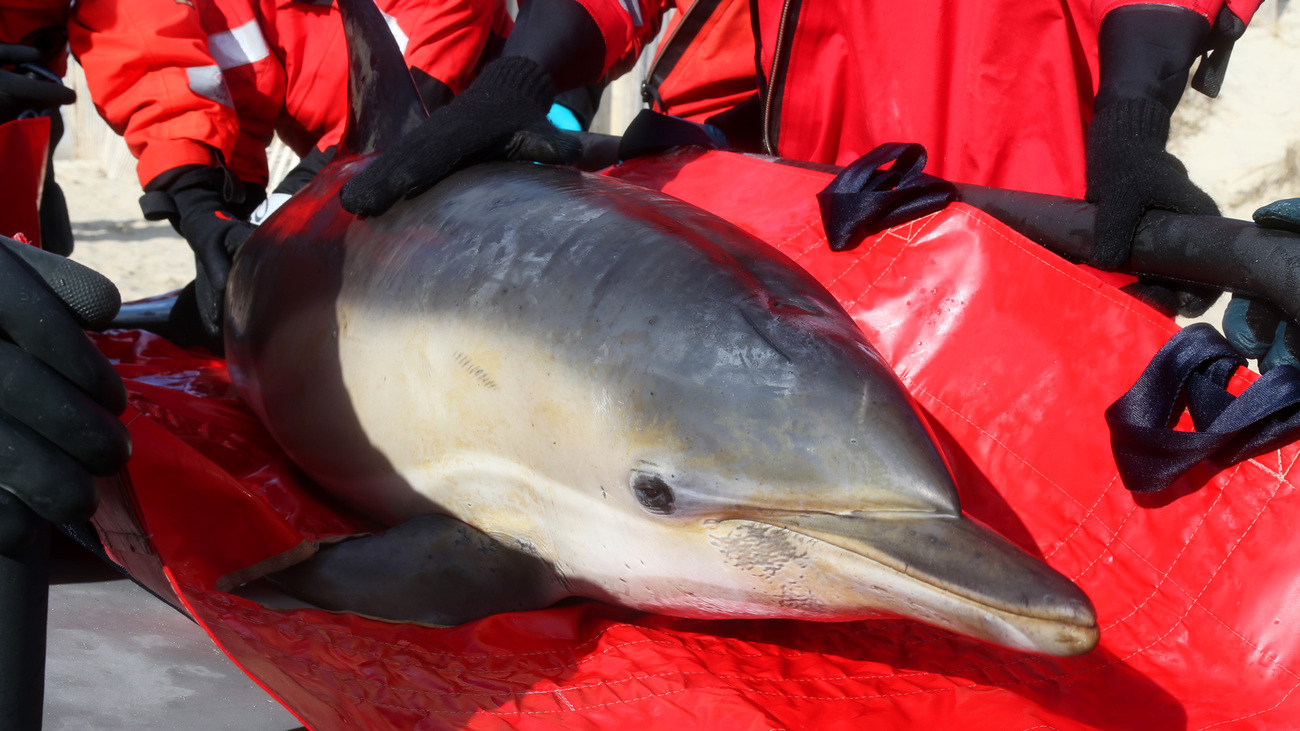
point(651, 94)
point(769, 144)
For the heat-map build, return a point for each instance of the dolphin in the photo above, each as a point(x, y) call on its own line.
point(551, 384)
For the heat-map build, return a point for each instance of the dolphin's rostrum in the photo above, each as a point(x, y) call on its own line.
point(620, 395)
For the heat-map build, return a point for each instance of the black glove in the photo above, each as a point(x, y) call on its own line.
point(206, 206)
point(19, 92)
point(502, 115)
point(1256, 328)
point(1146, 53)
point(58, 401)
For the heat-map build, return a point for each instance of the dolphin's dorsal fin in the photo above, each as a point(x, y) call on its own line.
point(383, 101)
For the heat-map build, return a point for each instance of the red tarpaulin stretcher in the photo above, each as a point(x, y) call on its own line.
point(1012, 352)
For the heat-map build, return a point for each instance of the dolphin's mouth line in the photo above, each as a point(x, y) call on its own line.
point(901, 569)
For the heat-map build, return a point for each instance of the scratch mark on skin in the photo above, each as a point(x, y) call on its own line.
point(763, 335)
point(476, 371)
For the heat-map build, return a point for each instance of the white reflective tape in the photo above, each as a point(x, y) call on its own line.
point(633, 9)
point(396, 30)
point(238, 46)
point(207, 82)
point(269, 206)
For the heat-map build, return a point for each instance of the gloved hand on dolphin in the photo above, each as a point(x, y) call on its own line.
point(208, 207)
point(501, 116)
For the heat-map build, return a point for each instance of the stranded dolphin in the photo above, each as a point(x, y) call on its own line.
point(620, 395)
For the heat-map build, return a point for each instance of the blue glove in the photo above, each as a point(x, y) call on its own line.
point(563, 118)
point(1256, 328)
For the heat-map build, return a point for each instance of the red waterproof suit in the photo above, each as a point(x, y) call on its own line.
point(999, 91)
point(39, 23)
point(182, 80)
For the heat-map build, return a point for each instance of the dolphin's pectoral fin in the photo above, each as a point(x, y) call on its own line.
point(432, 569)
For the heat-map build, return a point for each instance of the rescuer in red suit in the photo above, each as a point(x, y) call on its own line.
point(1067, 97)
point(198, 88)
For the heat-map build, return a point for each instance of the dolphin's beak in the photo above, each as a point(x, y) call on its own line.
point(945, 570)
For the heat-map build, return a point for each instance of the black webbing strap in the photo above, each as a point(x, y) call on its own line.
point(1228, 28)
point(865, 199)
point(1194, 368)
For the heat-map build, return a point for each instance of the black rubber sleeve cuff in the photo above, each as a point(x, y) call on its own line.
point(1147, 51)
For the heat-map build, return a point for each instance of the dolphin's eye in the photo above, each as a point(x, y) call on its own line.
point(653, 493)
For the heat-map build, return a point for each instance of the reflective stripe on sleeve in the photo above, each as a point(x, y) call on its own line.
point(238, 46)
point(207, 82)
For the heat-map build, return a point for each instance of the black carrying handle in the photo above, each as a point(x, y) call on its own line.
point(1226, 253)
point(1194, 367)
point(883, 188)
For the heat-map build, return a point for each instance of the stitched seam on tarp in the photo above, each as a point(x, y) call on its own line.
point(650, 696)
point(1114, 533)
point(1282, 480)
point(1210, 580)
point(1073, 273)
point(1246, 641)
point(1091, 511)
point(1281, 473)
point(254, 617)
point(914, 229)
point(1107, 546)
point(1224, 487)
point(1155, 590)
point(998, 442)
point(801, 232)
point(1256, 713)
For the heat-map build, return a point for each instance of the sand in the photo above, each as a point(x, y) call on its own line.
point(142, 257)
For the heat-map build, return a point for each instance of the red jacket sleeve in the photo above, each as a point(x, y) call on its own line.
point(154, 81)
point(1244, 9)
point(627, 25)
point(24, 21)
point(448, 37)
